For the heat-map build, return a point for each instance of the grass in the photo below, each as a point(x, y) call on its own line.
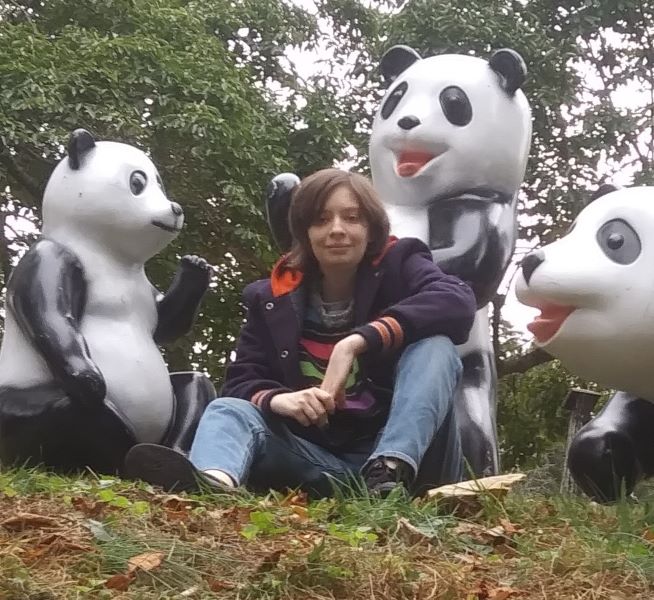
point(90, 537)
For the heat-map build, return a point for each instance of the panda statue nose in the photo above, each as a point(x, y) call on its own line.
point(530, 262)
point(408, 122)
point(177, 209)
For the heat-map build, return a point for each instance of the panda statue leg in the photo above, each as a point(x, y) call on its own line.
point(475, 402)
point(614, 451)
point(193, 393)
point(42, 425)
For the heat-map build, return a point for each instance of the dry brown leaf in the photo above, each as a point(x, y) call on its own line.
point(145, 562)
point(270, 561)
point(506, 551)
point(488, 536)
point(465, 494)
point(501, 593)
point(648, 535)
point(217, 585)
point(176, 503)
point(300, 512)
point(296, 499)
point(120, 582)
point(22, 521)
point(410, 533)
point(90, 508)
point(510, 528)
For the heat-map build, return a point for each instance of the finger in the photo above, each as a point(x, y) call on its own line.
point(320, 411)
point(301, 418)
point(325, 398)
point(310, 413)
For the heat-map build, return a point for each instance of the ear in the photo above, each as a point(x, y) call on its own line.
point(80, 142)
point(278, 202)
point(395, 61)
point(511, 67)
point(602, 190)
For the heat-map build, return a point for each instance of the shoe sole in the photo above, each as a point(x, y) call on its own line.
point(163, 467)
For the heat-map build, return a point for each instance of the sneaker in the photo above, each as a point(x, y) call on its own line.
point(166, 468)
point(383, 475)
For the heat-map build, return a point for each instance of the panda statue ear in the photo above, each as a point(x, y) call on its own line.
point(512, 68)
point(602, 190)
point(395, 61)
point(80, 142)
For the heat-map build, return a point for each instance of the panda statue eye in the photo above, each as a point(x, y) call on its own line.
point(456, 106)
point(619, 241)
point(393, 100)
point(137, 182)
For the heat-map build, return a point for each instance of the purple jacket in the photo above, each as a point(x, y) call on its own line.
point(400, 297)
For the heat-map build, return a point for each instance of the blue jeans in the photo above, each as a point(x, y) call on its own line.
point(260, 451)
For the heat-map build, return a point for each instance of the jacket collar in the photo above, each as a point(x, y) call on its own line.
point(285, 280)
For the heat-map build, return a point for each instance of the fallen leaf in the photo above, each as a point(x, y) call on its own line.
point(296, 499)
point(501, 593)
point(300, 512)
point(22, 521)
point(410, 533)
point(175, 503)
point(120, 581)
point(89, 508)
point(217, 585)
point(506, 551)
point(270, 561)
point(145, 562)
point(648, 535)
point(510, 528)
point(465, 495)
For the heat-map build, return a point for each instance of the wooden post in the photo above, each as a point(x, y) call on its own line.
point(580, 404)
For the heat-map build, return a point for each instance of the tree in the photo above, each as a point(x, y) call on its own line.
point(203, 86)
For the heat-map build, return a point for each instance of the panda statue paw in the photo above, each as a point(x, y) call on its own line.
point(85, 385)
point(196, 271)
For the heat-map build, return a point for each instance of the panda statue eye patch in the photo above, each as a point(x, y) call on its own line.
point(137, 182)
point(456, 106)
point(619, 241)
point(393, 100)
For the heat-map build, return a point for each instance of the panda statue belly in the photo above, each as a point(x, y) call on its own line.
point(81, 376)
point(597, 318)
point(448, 152)
point(118, 325)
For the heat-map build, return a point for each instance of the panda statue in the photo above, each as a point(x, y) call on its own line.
point(597, 318)
point(81, 376)
point(448, 152)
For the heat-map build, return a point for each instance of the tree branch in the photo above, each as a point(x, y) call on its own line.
point(524, 362)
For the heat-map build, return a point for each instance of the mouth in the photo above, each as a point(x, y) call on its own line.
point(410, 162)
point(545, 326)
point(165, 227)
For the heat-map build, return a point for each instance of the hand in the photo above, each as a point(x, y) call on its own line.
point(340, 366)
point(84, 383)
point(195, 271)
point(307, 407)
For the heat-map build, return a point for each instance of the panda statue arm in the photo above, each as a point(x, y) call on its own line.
point(177, 309)
point(47, 294)
point(473, 238)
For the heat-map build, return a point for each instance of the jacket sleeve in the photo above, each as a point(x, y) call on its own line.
point(251, 376)
point(433, 303)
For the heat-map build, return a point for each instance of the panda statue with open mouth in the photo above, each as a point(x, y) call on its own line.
point(81, 376)
point(448, 153)
point(596, 296)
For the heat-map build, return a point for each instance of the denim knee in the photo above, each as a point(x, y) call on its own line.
point(437, 349)
point(235, 408)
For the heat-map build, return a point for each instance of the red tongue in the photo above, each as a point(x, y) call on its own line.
point(549, 321)
point(409, 163)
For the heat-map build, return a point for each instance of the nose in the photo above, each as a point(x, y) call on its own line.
point(177, 209)
point(530, 262)
point(408, 122)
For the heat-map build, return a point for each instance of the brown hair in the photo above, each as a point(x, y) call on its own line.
point(308, 202)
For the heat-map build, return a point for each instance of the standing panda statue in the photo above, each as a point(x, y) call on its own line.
point(81, 376)
point(597, 318)
point(448, 153)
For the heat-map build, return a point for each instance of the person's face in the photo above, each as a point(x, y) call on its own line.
point(339, 235)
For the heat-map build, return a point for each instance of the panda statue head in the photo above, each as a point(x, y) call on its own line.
point(449, 124)
point(110, 196)
point(595, 290)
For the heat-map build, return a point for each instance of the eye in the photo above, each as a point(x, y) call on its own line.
point(390, 104)
point(619, 241)
point(456, 106)
point(137, 182)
